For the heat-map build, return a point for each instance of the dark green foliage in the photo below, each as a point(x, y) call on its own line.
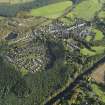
point(8, 77)
point(20, 89)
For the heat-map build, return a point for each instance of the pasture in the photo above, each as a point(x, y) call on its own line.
point(15, 1)
point(97, 50)
point(87, 9)
point(99, 91)
point(52, 10)
point(98, 35)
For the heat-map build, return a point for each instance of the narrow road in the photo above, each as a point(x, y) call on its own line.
point(69, 89)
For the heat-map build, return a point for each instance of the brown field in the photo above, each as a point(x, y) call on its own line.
point(99, 74)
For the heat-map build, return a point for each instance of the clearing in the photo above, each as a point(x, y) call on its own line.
point(99, 73)
point(98, 50)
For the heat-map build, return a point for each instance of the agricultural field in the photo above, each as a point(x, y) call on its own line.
point(99, 91)
point(53, 10)
point(98, 35)
point(97, 50)
point(15, 1)
point(87, 9)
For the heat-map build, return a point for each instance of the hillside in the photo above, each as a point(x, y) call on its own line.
point(13, 6)
point(52, 52)
point(14, 1)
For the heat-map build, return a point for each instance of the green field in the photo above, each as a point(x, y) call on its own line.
point(87, 9)
point(53, 10)
point(98, 36)
point(99, 92)
point(101, 15)
point(14, 1)
point(98, 50)
point(88, 38)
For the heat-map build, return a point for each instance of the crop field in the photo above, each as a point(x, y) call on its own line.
point(53, 10)
point(87, 9)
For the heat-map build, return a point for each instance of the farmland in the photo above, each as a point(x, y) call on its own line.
point(98, 50)
point(53, 10)
point(14, 1)
point(87, 9)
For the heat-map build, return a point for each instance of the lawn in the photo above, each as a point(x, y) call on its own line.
point(98, 50)
point(52, 10)
point(87, 9)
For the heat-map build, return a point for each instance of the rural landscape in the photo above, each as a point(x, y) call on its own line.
point(52, 52)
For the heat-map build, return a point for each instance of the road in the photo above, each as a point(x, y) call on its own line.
point(65, 93)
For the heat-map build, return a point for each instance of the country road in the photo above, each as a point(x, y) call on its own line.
point(65, 93)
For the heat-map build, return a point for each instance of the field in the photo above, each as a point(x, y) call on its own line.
point(98, 74)
point(101, 15)
point(53, 10)
point(98, 36)
point(87, 9)
point(99, 92)
point(98, 50)
point(14, 1)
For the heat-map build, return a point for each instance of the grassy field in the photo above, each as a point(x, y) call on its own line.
point(98, 50)
point(87, 9)
point(101, 15)
point(98, 36)
point(53, 10)
point(15, 1)
point(99, 92)
point(88, 38)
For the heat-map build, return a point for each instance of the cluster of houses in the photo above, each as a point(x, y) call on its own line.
point(80, 29)
point(33, 57)
point(29, 57)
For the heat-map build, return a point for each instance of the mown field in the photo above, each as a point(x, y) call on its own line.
point(15, 1)
point(87, 9)
point(53, 10)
